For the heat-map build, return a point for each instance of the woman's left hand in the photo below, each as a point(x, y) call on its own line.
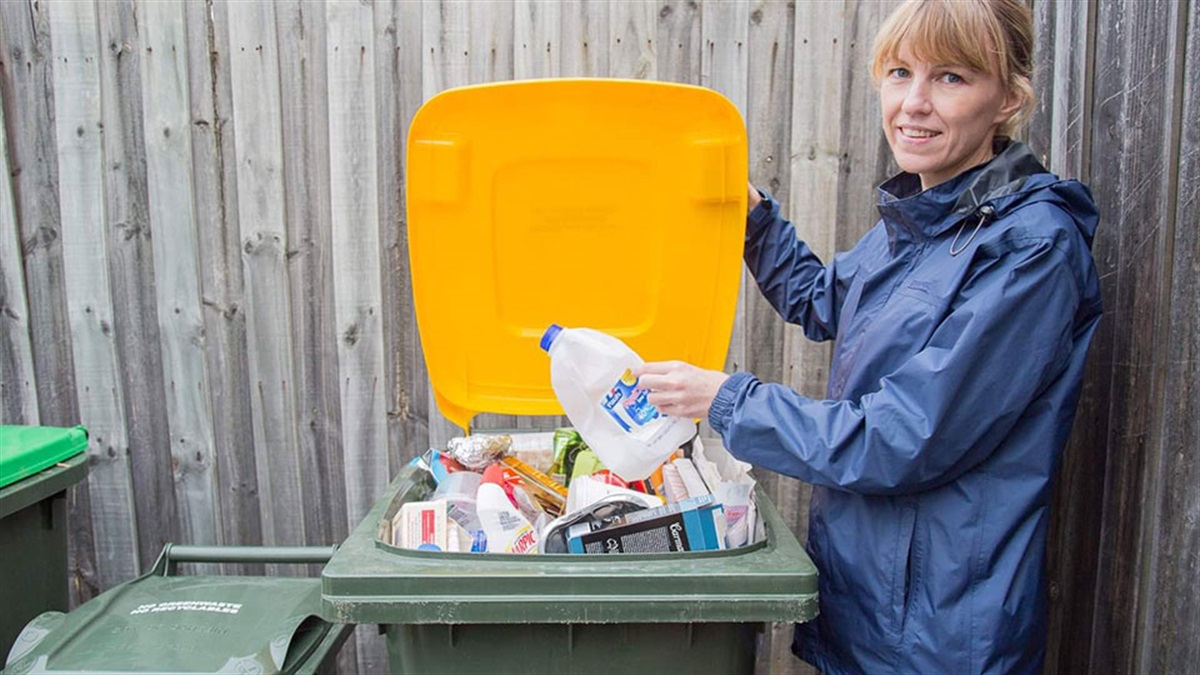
point(680, 389)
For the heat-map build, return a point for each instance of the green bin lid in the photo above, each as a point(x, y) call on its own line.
point(24, 451)
point(184, 625)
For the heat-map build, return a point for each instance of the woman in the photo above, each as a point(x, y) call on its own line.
point(962, 320)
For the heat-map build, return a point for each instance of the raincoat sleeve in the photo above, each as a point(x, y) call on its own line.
point(943, 411)
point(801, 288)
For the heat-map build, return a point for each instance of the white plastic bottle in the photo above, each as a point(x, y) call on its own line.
point(591, 373)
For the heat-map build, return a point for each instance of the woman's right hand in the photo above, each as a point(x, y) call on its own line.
point(753, 199)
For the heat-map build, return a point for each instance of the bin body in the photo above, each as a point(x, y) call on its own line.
point(693, 612)
point(37, 467)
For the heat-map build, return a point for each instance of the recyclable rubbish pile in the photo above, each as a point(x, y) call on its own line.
point(550, 493)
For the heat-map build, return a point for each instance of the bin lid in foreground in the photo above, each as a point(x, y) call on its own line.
point(157, 624)
point(25, 450)
point(617, 205)
point(369, 582)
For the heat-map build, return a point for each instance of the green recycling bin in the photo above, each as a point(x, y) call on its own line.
point(37, 467)
point(164, 623)
point(694, 612)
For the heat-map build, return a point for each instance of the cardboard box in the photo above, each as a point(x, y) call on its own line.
point(695, 524)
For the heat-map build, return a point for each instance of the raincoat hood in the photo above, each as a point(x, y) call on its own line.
point(1013, 177)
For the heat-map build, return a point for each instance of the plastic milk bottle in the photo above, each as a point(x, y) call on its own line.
point(591, 375)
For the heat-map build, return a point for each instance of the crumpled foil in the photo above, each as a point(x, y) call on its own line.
point(477, 451)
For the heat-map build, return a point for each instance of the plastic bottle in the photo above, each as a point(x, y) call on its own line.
point(507, 529)
point(591, 373)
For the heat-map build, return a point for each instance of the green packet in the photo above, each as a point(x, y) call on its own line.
point(567, 446)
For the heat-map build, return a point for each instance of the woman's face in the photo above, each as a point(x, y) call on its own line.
point(940, 118)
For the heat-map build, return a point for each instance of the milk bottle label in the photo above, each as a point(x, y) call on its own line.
point(626, 403)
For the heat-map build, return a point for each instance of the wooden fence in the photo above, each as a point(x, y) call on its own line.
point(203, 254)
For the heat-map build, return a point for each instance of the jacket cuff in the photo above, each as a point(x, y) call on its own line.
point(765, 212)
point(721, 410)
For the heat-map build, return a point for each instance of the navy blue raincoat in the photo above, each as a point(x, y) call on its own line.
point(962, 320)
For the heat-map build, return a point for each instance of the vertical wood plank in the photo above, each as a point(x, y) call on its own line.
point(131, 274)
point(357, 299)
point(778, 66)
point(354, 214)
point(536, 43)
point(1060, 134)
point(584, 38)
point(219, 249)
point(109, 526)
point(1170, 618)
point(304, 92)
point(18, 383)
point(680, 54)
point(632, 28)
point(254, 70)
point(399, 29)
point(166, 109)
point(28, 100)
point(1059, 127)
point(866, 158)
point(398, 94)
point(1136, 53)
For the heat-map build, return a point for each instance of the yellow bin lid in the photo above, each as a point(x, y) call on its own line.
point(618, 205)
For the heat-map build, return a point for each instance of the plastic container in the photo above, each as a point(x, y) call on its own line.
point(695, 612)
point(163, 623)
point(591, 375)
point(528, 203)
point(37, 467)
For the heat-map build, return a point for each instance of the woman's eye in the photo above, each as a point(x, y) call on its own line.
point(901, 73)
point(951, 78)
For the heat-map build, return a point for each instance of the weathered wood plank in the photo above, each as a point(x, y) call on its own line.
point(536, 33)
point(866, 158)
point(1134, 87)
point(354, 215)
point(632, 28)
point(166, 110)
point(304, 92)
point(28, 98)
point(1060, 132)
point(584, 38)
point(219, 252)
point(18, 382)
point(131, 275)
point(1059, 127)
point(254, 71)
point(1170, 616)
point(357, 298)
point(789, 53)
point(398, 27)
point(680, 54)
point(109, 524)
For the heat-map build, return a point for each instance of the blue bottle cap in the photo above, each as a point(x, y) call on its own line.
point(548, 337)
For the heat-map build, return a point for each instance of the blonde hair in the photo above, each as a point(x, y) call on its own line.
point(991, 36)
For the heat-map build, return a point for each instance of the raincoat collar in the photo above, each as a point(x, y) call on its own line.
point(912, 214)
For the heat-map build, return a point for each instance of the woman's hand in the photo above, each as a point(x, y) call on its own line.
point(753, 199)
point(680, 389)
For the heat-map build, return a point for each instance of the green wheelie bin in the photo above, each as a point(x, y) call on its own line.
point(162, 622)
point(694, 612)
point(37, 467)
